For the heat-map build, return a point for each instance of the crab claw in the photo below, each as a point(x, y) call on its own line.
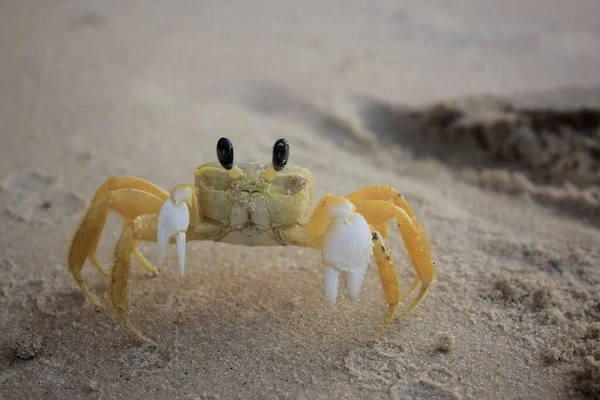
point(173, 220)
point(347, 247)
point(331, 285)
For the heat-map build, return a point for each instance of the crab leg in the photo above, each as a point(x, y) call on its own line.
point(381, 192)
point(141, 259)
point(389, 279)
point(376, 211)
point(130, 197)
point(144, 227)
point(387, 193)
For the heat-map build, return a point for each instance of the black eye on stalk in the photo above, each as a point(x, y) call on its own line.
point(281, 152)
point(225, 153)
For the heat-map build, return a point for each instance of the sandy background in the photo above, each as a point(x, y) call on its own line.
point(509, 195)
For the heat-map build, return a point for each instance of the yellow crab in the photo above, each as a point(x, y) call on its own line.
point(257, 205)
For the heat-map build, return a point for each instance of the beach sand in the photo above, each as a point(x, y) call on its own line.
point(483, 115)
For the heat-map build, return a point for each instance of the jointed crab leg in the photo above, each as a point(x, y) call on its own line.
point(389, 279)
point(143, 227)
point(130, 197)
point(141, 259)
point(381, 192)
point(387, 193)
point(376, 211)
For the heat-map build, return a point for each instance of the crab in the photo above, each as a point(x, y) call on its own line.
point(254, 204)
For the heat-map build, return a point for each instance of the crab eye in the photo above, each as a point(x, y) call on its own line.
point(225, 153)
point(281, 152)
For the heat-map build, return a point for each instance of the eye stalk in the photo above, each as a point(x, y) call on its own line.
point(281, 153)
point(225, 153)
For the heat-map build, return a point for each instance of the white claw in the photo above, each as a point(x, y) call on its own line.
point(180, 238)
point(173, 220)
point(331, 285)
point(355, 280)
point(347, 246)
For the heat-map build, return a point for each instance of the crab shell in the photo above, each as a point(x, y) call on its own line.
point(252, 203)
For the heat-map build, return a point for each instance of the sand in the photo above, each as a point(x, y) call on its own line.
point(483, 115)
